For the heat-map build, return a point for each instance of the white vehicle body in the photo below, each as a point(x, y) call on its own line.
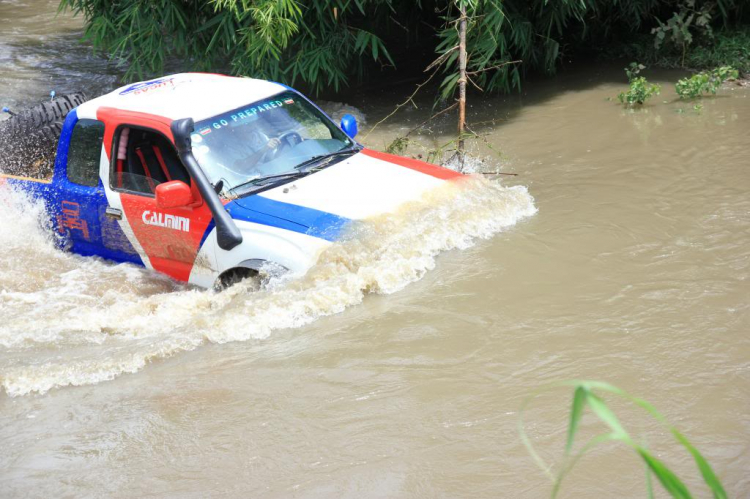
point(286, 223)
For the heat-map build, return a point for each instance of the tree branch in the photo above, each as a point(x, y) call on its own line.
point(493, 67)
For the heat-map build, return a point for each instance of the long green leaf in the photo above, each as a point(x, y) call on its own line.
point(579, 402)
point(707, 472)
point(605, 414)
point(666, 477)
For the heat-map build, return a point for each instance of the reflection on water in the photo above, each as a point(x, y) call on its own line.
point(397, 366)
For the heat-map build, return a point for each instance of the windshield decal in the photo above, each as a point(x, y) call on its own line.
point(251, 112)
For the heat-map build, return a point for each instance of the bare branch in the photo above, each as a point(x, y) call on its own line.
point(440, 59)
point(398, 24)
point(493, 67)
point(473, 83)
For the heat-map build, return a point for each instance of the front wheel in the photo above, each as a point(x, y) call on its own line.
point(251, 278)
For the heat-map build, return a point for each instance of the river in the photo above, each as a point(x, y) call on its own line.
point(396, 368)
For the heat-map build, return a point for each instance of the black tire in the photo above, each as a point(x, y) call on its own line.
point(236, 275)
point(28, 140)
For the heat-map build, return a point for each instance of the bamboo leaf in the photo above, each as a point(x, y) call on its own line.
point(579, 402)
point(706, 471)
point(649, 483)
point(606, 415)
point(666, 477)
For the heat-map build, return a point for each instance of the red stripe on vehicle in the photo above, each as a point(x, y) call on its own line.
point(414, 164)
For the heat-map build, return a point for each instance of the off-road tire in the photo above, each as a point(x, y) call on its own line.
point(236, 275)
point(28, 140)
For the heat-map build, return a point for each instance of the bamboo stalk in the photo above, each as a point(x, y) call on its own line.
point(461, 82)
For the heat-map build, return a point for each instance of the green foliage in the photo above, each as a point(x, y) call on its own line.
point(398, 146)
point(679, 28)
point(728, 48)
point(320, 43)
point(323, 44)
point(535, 32)
point(586, 394)
point(640, 89)
point(704, 82)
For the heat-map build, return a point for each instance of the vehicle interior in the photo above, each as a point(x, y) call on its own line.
point(145, 159)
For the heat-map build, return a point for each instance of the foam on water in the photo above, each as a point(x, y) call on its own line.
point(69, 320)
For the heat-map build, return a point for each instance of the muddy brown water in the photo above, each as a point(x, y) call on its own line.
point(396, 368)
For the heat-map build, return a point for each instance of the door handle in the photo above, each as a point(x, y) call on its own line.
point(113, 213)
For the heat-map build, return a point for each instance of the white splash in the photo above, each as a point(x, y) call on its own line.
point(69, 320)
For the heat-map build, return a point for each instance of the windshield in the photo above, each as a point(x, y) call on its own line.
point(267, 138)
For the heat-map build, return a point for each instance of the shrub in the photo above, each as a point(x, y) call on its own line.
point(704, 82)
point(727, 47)
point(679, 28)
point(640, 89)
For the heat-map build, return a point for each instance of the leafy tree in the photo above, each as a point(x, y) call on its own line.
point(321, 43)
point(324, 43)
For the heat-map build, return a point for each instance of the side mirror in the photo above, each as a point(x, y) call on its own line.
point(173, 194)
point(349, 125)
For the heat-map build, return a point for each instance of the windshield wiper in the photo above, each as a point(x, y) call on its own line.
point(300, 170)
point(260, 181)
point(320, 157)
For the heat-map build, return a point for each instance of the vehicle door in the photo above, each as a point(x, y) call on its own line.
point(169, 239)
point(79, 196)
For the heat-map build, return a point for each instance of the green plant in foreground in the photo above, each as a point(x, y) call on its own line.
point(704, 82)
point(584, 395)
point(640, 89)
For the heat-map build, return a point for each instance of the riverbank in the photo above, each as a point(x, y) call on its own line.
point(725, 47)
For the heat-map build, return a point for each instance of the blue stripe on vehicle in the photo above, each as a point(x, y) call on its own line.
point(208, 230)
point(264, 211)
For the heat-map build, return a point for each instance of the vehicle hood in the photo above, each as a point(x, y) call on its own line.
point(364, 185)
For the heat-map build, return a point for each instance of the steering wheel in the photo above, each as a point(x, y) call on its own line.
point(286, 140)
